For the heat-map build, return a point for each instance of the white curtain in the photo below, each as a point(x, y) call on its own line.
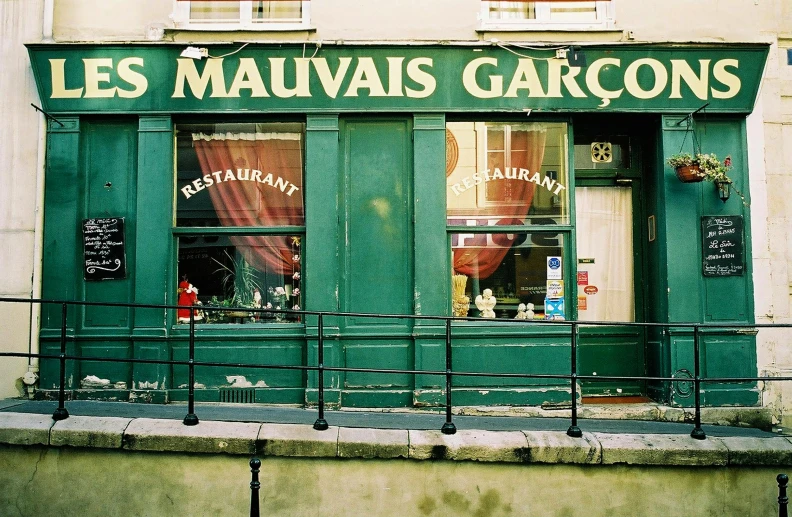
point(605, 254)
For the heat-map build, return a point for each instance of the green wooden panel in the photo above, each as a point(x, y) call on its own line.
point(432, 291)
point(62, 208)
point(382, 353)
point(109, 179)
point(378, 240)
point(618, 352)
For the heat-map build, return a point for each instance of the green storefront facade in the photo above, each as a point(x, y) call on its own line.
point(369, 179)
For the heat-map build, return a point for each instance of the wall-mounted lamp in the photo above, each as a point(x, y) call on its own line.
point(723, 190)
point(576, 57)
point(195, 52)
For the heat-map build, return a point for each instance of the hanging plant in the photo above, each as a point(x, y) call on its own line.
point(692, 169)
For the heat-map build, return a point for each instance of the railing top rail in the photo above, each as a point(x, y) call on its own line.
point(422, 317)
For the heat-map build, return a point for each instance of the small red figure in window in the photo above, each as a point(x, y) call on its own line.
point(188, 297)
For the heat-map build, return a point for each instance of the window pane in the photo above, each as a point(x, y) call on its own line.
point(511, 174)
point(239, 175)
point(239, 271)
point(573, 12)
point(511, 10)
point(277, 10)
point(514, 267)
point(214, 10)
point(604, 220)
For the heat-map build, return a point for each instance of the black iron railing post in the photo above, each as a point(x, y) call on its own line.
point(61, 413)
point(321, 423)
point(783, 500)
point(255, 465)
point(448, 426)
point(697, 433)
point(191, 418)
point(574, 431)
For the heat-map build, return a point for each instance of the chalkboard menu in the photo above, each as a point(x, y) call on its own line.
point(724, 248)
point(104, 249)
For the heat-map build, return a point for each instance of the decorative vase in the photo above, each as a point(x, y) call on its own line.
point(689, 174)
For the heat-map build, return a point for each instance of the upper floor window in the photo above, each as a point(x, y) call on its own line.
point(546, 14)
point(241, 14)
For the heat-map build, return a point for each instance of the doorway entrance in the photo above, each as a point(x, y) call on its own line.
point(608, 208)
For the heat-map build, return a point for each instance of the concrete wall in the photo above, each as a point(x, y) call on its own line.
point(71, 481)
point(20, 21)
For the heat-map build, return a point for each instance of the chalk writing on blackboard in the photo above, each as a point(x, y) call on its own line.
point(104, 249)
point(723, 246)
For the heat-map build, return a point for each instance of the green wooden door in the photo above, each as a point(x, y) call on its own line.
point(610, 263)
point(376, 225)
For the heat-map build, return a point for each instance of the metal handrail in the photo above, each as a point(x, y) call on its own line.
point(448, 373)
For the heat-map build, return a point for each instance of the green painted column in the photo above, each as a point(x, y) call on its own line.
point(693, 297)
point(320, 249)
point(61, 267)
point(432, 255)
point(153, 261)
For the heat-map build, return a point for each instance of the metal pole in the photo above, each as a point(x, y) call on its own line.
point(61, 413)
point(448, 426)
point(191, 418)
point(698, 432)
point(783, 500)
point(574, 431)
point(321, 423)
point(255, 465)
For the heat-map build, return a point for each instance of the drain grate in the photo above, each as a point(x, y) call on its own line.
point(238, 395)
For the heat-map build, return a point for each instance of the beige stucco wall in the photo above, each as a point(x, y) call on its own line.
point(711, 21)
point(85, 483)
point(20, 21)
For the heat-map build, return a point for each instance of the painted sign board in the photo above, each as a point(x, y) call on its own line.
point(723, 245)
point(84, 78)
point(104, 249)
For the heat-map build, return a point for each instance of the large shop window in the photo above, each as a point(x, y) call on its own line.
point(524, 14)
point(241, 14)
point(508, 218)
point(240, 219)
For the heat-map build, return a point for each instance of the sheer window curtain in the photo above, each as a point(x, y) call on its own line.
point(244, 202)
point(604, 226)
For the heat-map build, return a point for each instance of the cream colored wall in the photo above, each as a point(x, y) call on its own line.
point(711, 21)
point(20, 21)
point(78, 482)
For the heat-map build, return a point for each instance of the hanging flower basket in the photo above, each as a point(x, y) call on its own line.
point(689, 174)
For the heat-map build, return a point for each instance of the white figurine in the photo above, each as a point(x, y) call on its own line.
point(521, 314)
point(485, 303)
point(529, 314)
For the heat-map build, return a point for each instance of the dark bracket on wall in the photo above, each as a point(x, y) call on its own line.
point(50, 117)
point(689, 116)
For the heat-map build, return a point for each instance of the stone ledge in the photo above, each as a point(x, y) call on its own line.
point(489, 446)
point(295, 440)
point(88, 431)
point(149, 434)
point(661, 449)
point(25, 428)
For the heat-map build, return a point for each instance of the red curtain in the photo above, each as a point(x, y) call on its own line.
point(265, 201)
point(513, 198)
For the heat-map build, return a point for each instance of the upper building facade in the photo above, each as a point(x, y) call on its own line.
point(498, 160)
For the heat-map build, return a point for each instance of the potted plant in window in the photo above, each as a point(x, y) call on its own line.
point(241, 284)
